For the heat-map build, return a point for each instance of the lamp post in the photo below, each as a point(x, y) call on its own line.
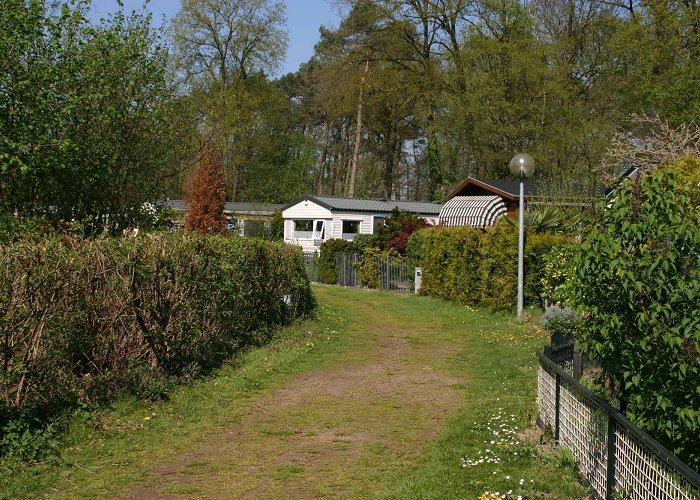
point(521, 166)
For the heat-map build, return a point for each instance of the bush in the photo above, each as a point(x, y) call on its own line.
point(637, 278)
point(326, 261)
point(397, 229)
point(562, 320)
point(480, 268)
point(498, 269)
point(84, 321)
point(557, 271)
point(450, 262)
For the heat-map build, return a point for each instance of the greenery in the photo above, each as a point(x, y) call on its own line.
point(368, 267)
point(85, 321)
point(637, 279)
point(326, 261)
point(479, 268)
point(449, 258)
point(90, 126)
point(406, 448)
point(562, 320)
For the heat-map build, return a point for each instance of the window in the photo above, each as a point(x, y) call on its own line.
point(319, 229)
point(303, 228)
point(350, 229)
point(303, 225)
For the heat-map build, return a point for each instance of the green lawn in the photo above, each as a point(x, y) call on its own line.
point(381, 396)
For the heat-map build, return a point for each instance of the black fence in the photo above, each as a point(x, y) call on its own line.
point(617, 459)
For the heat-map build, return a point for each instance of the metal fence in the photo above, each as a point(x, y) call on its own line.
point(311, 266)
point(616, 458)
point(395, 273)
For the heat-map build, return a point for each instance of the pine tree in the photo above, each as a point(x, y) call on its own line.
point(206, 195)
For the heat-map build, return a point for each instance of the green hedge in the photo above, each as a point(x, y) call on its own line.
point(84, 321)
point(450, 261)
point(480, 268)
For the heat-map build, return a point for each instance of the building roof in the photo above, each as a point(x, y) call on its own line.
point(374, 206)
point(231, 207)
point(506, 189)
point(511, 189)
point(474, 211)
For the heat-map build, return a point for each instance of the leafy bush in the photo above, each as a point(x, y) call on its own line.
point(498, 269)
point(450, 262)
point(83, 321)
point(480, 268)
point(563, 320)
point(21, 228)
point(637, 278)
point(557, 271)
point(397, 229)
point(326, 261)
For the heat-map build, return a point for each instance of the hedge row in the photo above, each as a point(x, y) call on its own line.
point(480, 268)
point(87, 320)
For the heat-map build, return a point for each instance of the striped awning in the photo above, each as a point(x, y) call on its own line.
point(475, 211)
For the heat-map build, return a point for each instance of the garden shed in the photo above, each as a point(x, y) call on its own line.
point(312, 220)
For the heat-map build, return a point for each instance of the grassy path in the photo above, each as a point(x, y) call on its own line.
point(380, 397)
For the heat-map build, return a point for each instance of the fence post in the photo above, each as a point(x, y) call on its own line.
point(610, 472)
point(578, 362)
point(556, 406)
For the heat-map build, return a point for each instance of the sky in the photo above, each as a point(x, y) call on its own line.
point(303, 20)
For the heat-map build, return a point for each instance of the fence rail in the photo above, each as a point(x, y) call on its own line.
point(613, 455)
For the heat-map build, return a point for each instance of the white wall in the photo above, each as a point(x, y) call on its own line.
point(306, 210)
point(309, 210)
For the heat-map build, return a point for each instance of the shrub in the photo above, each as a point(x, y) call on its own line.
point(480, 268)
point(326, 261)
point(84, 321)
point(450, 261)
point(563, 320)
point(397, 229)
point(498, 270)
point(637, 278)
point(557, 271)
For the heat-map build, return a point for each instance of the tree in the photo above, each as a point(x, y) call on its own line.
point(222, 41)
point(206, 196)
point(637, 279)
point(89, 125)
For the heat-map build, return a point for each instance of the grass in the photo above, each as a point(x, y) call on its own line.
point(371, 441)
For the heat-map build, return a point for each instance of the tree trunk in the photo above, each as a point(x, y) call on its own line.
point(322, 158)
point(358, 135)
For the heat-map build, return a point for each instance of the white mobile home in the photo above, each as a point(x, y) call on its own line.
point(310, 221)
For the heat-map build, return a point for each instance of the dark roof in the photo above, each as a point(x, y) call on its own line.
point(375, 206)
point(507, 189)
point(511, 189)
point(230, 207)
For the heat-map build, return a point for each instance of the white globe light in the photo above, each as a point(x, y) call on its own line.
point(522, 165)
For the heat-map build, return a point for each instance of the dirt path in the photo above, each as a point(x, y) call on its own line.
point(322, 433)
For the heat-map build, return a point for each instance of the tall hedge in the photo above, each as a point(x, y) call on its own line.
point(85, 320)
point(480, 268)
point(450, 261)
